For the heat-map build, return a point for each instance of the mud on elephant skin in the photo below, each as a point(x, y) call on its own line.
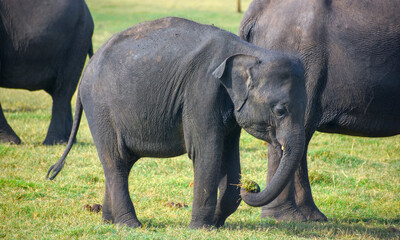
point(43, 46)
point(173, 86)
point(351, 53)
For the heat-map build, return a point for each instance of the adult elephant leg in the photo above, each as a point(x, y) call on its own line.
point(229, 192)
point(304, 199)
point(284, 207)
point(7, 134)
point(63, 90)
point(61, 120)
point(61, 116)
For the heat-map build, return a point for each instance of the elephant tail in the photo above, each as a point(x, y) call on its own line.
point(90, 52)
point(56, 168)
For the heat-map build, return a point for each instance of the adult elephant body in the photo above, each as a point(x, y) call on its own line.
point(163, 88)
point(351, 53)
point(43, 45)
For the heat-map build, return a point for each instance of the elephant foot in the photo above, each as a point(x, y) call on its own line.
point(283, 212)
point(107, 218)
point(132, 223)
point(9, 137)
point(219, 222)
point(312, 213)
point(201, 225)
point(53, 140)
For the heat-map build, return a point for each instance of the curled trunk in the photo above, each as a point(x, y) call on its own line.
point(292, 153)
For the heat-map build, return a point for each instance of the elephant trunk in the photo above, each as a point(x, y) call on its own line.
point(292, 151)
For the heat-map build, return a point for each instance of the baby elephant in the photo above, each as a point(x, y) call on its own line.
point(173, 86)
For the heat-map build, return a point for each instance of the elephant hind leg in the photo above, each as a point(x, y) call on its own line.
point(7, 134)
point(107, 212)
point(117, 206)
point(117, 161)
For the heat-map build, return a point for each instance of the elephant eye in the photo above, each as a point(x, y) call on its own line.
point(280, 110)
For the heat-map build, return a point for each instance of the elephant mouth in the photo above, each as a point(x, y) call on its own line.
point(261, 132)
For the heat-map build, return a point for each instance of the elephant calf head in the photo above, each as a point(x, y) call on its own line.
point(270, 99)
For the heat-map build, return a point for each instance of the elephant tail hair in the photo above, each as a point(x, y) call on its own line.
point(56, 168)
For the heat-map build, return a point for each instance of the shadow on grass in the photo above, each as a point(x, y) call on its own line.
point(83, 144)
point(370, 220)
point(76, 144)
point(335, 228)
point(21, 109)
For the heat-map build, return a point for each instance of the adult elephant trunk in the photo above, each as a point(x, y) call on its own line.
point(292, 144)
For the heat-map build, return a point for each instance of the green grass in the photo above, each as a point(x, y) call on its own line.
point(355, 181)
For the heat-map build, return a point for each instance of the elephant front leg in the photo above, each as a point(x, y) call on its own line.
point(61, 120)
point(284, 207)
point(304, 199)
point(206, 155)
point(7, 134)
point(204, 193)
point(229, 191)
point(203, 130)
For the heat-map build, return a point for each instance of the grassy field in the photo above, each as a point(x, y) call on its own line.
point(355, 181)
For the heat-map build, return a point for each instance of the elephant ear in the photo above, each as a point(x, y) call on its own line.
point(235, 75)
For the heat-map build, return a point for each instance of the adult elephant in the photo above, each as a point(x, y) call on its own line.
point(43, 45)
point(351, 53)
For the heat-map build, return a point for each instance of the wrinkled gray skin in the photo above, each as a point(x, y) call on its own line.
point(351, 53)
point(43, 45)
point(172, 86)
